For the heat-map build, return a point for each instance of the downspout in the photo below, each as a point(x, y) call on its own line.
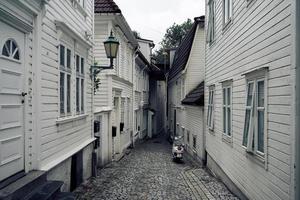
point(134, 56)
point(297, 104)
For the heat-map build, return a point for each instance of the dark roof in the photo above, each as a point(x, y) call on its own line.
point(195, 97)
point(106, 6)
point(183, 51)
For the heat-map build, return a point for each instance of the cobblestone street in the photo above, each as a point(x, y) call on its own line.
point(148, 172)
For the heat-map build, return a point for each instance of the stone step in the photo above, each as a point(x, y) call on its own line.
point(22, 187)
point(65, 196)
point(47, 191)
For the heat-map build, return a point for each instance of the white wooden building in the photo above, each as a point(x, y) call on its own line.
point(186, 90)
point(143, 116)
point(249, 96)
point(114, 101)
point(45, 90)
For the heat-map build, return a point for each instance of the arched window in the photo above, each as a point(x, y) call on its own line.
point(10, 49)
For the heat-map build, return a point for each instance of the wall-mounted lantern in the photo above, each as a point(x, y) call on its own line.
point(111, 46)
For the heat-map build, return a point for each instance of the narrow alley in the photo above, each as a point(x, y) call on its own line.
point(148, 172)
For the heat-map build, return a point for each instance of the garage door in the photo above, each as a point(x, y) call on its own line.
point(11, 105)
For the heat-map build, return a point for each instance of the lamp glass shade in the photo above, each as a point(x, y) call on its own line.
point(111, 47)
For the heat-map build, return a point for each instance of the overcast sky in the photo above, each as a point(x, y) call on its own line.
point(151, 18)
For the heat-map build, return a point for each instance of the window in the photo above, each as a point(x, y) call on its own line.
point(227, 108)
point(194, 142)
point(188, 136)
point(128, 122)
point(122, 121)
point(79, 84)
point(227, 11)
point(254, 127)
point(65, 80)
point(210, 108)
point(182, 89)
point(211, 21)
point(178, 92)
point(11, 50)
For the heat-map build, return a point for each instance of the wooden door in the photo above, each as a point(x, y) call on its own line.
point(11, 101)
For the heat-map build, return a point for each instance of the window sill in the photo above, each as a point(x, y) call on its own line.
point(227, 139)
point(227, 25)
point(250, 3)
point(80, 8)
point(70, 119)
point(10, 59)
point(211, 131)
point(259, 160)
point(211, 44)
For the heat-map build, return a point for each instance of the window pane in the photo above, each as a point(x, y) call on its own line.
point(194, 142)
point(212, 97)
point(77, 63)
point(228, 96)
point(210, 117)
point(8, 45)
point(246, 128)
point(229, 121)
point(17, 55)
point(224, 96)
point(5, 51)
point(250, 94)
point(77, 95)
point(62, 55)
point(224, 120)
point(82, 65)
point(68, 58)
point(68, 93)
point(14, 46)
point(82, 95)
point(62, 92)
point(260, 127)
point(261, 93)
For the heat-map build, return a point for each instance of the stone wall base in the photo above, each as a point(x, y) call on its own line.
point(217, 171)
point(63, 171)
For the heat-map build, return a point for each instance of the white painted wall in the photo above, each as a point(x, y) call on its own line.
point(59, 138)
point(189, 118)
point(119, 79)
point(259, 36)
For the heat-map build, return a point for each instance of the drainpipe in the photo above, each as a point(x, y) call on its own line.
point(297, 117)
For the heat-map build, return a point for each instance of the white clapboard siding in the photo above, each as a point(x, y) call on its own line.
point(194, 124)
point(59, 139)
point(189, 118)
point(195, 66)
point(120, 78)
point(259, 36)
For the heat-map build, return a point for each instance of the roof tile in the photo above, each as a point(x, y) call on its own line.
point(106, 6)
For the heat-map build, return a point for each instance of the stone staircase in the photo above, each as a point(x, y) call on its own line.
point(35, 186)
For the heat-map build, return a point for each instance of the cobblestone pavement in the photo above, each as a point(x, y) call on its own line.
point(148, 173)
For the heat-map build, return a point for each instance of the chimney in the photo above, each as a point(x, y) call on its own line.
point(172, 54)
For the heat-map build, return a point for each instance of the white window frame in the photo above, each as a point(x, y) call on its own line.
point(80, 77)
point(227, 11)
point(210, 108)
point(252, 134)
point(211, 10)
point(225, 105)
point(66, 71)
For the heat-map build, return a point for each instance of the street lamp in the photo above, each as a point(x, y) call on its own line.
point(111, 46)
